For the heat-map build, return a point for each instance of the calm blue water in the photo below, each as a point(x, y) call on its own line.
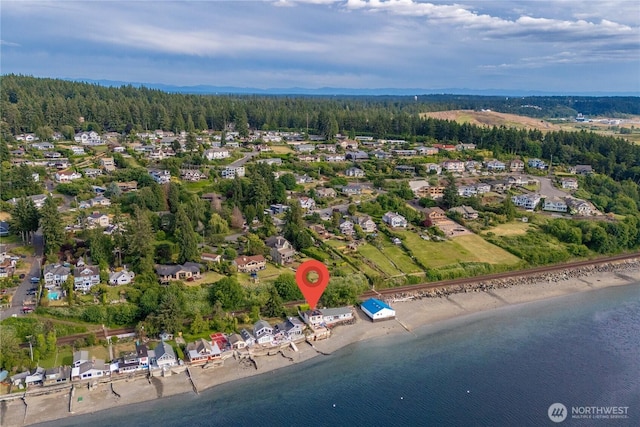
point(500, 368)
point(53, 295)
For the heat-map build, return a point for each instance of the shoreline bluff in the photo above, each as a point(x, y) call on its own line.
point(413, 311)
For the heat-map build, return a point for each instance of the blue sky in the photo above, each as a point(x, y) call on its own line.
point(560, 46)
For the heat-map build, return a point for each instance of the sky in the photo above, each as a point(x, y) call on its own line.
point(553, 46)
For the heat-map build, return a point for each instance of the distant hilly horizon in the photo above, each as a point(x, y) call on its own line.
point(333, 91)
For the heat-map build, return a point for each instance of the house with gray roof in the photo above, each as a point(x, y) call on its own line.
point(188, 271)
point(263, 332)
point(164, 355)
point(55, 275)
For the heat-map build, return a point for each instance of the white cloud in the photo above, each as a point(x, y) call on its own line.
point(8, 43)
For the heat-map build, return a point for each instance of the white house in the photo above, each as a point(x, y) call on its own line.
point(333, 316)
point(67, 176)
point(527, 201)
point(55, 275)
point(85, 277)
point(216, 153)
point(354, 172)
point(569, 183)
point(231, 172)
point(307, 203)
point(377, 310)
point(263, 332)
point(453, 166)
point(123, 277)
point(160, 176)
point(394, 219)
point(554, 204)
point(164, 355)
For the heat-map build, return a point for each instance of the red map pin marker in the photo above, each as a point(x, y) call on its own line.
point(312, 291)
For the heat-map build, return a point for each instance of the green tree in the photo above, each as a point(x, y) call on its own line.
point(287, 287)
point(274, 306)
point(198, 325)
point(140, 242)
point(255, 245)
point(228, 292)
point(508, 208)
point(186, 238)
point(450, 197)
point(217, 225)
point(52, 228)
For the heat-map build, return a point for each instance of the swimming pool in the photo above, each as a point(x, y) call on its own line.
point(54, 295)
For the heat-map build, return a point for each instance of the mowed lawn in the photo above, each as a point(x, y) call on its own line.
point(469, 248)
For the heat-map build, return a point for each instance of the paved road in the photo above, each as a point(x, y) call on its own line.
point(245, 159)
point(547, 189)
point(21, 291)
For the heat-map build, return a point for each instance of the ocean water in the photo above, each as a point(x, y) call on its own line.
point(499, 368)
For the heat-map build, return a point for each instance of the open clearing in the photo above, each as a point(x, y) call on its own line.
point(510, 229)
point(492, 118)
point(468, 248)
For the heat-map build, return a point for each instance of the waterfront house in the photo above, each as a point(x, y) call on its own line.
point(248, 264)
point(312, 317)
point(237, 342)
point(164, 355)
point(95, 368)
point(377, 310)
point(248, 338)
point(35, 378)
point(57, 375)
point(263, 332)
point(202, 351)
point(335, 316)
point(292, 329)
point(394, 219)
point(188, 271)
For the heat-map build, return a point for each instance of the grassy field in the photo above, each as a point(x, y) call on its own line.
point(469, 248)
point(485, 251)
point(63, 356)
point(281, 149)
point(380, 260)
point(268, 274)
point(400, 258)
point(195, 187)
point(510, 229)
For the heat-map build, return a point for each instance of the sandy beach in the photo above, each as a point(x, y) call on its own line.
point(411, 315)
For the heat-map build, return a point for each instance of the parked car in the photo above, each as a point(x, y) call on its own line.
point(35, 280)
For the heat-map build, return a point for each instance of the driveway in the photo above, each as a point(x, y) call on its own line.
point(20, 293)
point(245, 159)
point(547, 189)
